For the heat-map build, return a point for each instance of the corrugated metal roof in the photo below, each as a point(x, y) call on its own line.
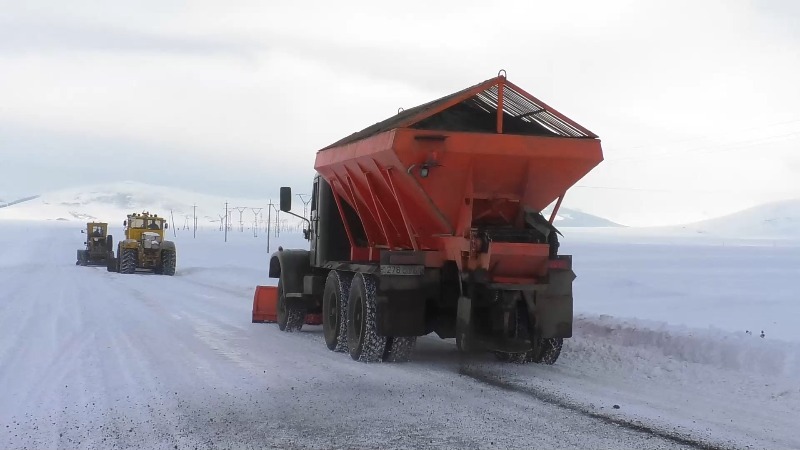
point(477, 112)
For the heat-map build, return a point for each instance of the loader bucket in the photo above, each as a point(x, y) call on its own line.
point(265, 302)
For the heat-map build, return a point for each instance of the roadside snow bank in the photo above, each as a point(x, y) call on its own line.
point(717, 348)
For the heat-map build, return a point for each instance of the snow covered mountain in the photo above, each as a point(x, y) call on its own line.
point(772, 220)
point(111, 202)
point(573, 218)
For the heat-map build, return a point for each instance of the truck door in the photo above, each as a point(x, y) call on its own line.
point(314, 219)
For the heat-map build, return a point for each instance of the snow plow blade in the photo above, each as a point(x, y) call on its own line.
point(265, 307)
point(265, 304)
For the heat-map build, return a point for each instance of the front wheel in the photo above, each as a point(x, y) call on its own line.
point(289, 319)
point(127, 263)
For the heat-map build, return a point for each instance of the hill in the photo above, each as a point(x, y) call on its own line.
point(111, 202)
point(567, 217)
point(772, 220)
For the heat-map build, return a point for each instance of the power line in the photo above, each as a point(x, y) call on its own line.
point(670, 191)
point(667, 143)
point(704, 150)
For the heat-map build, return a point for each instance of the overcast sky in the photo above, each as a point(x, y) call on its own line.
point(696, 101)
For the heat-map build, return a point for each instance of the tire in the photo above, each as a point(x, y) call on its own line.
point(168, 261)
point(465, 340)
point(289, 319)
point(127, 262)
point(399, 349)
point(334, 310)
point(544, 350)
point(111, 262)
point(363, 341)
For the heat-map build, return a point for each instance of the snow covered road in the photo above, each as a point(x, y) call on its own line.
point(91, 359)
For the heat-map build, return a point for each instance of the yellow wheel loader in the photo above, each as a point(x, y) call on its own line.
point(144, 247)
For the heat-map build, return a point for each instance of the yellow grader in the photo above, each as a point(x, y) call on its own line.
point(98, 245)
point(144, 246)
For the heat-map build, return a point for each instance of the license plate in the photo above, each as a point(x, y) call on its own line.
point(396, 269)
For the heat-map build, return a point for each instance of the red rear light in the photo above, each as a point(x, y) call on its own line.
point(563, 264)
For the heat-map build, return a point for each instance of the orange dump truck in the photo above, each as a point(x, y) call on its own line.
point(431, 222)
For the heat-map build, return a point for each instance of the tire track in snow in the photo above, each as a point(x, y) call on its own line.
point(551, 399)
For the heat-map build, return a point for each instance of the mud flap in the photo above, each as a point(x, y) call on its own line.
point(400, 314)
point(552, 309)
point(465, 335)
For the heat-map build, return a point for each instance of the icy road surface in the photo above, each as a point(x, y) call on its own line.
point(91, 359)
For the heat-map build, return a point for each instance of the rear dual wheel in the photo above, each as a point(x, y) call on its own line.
point(543, 350)
point(363, 341)
point(398, 349)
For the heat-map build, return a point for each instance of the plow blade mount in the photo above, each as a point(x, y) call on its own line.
point(265, 307)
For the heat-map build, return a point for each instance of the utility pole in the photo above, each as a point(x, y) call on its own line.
point(256, 212)
point(305, 202)
point(194, 215)
point(241, 222)
point(269, 222)
point(221, 221)
point(277, 221)
point(174, 233)
point(226, 221)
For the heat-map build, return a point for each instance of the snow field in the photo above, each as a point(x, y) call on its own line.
point(89, 358)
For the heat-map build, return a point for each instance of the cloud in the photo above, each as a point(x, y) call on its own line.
point(682, 93)
point(24, 37)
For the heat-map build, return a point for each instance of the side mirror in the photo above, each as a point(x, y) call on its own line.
point(124, 223)
point(286, 199)
point(83, 231)
point(166, 225)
